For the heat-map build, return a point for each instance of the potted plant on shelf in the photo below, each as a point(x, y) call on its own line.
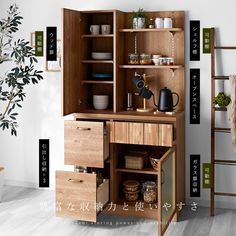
point(21, 59)
point(139, 19)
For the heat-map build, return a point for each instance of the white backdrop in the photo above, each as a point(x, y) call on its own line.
point(41, 113)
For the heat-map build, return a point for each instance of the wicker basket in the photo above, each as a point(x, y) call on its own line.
point(154, 161)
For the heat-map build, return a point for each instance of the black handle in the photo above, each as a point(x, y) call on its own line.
point(177, 99)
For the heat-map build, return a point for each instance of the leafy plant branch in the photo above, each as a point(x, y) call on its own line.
point(23, 73)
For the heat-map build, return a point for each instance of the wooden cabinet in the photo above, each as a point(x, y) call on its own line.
point(94, 135)
point(77, 195)
point(86, 143)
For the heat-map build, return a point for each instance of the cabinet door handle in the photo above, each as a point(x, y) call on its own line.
point(76, 180)
point(83, 128)
point(162, 176)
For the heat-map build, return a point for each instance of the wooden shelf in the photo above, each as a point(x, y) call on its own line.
point(98, 61)
point(148, 171)
point(222, 130)
point(97, 36)
point(151, 30)
point(150, 67)
point(96, 82)
point(221, 77)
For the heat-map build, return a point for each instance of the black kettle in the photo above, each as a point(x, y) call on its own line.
point(165, 102)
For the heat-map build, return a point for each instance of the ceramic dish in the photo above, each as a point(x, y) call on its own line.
point(102, 76)
point(101, 55)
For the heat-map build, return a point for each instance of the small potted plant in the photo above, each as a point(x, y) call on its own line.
point(139, 19)
point(222, 100)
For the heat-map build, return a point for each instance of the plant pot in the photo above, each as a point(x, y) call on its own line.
point(138, 23)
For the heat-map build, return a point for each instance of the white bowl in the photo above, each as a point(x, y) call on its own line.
point(101, 55)
point(100, 106)
point(100, 102)
point(100, 98)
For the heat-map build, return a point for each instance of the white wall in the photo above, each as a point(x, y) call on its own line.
point(40, 116)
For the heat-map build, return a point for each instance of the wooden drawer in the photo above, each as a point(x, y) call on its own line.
point(78, 197)
point(86, 143)
point(141, 133)
point(158, 134)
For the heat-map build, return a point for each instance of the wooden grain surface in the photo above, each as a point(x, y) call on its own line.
point(76, 195)
point(84, 143)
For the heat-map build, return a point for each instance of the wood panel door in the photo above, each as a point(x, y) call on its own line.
point(84, 143)
point(71, 61)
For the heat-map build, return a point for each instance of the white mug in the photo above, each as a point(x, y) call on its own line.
point(167, 23)
point(94, 29)
point(159, 23)
point(106, 29)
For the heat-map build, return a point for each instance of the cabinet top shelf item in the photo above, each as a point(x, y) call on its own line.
point(151, 30)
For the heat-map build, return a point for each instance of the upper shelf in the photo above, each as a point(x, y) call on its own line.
point(151, 67)
point(151, 30)
point(97, 36)
point(98, 61)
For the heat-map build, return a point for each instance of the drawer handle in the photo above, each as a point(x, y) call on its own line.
point(82, 128)
point(76, 180)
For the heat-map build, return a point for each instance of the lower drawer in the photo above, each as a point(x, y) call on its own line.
point(78, 197)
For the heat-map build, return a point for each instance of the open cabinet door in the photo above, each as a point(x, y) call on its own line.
point(167, 195)
point(71, 61)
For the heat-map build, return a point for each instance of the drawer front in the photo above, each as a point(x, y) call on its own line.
point(165, 135)
point(135, 133)
point(84, 143)
point(121, 134)
point(151, 134)
point(158, 134)
point(76, 195)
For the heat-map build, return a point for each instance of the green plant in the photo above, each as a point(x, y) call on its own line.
point(13, 82)
point(222, 100)
point(139, 14)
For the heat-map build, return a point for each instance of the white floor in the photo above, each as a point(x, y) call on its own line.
point(30, 212)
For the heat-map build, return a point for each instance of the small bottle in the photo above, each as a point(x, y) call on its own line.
point(129, 101)
point(151, 23)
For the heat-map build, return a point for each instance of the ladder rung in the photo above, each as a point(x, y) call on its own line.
point(225, 194)
point(221, 77)
point(223, 47)
point(225, 162)
point(222, 130)
point(220, 108)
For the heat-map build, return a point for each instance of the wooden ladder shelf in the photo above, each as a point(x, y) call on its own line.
point(217, 129)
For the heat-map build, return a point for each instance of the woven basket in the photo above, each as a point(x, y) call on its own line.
point(154, 161)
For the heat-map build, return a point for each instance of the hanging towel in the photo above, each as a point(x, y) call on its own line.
point(232, 108)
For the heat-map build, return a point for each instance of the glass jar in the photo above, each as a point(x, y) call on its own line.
point(133, 59)
point(149, 192)
point(170, 61)
point(145, 59)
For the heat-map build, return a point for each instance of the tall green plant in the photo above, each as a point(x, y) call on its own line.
point(13, 82)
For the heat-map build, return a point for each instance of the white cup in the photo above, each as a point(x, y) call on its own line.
point(94, 29)
point(167, 23)
point(159, 23)
point(106, 29)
